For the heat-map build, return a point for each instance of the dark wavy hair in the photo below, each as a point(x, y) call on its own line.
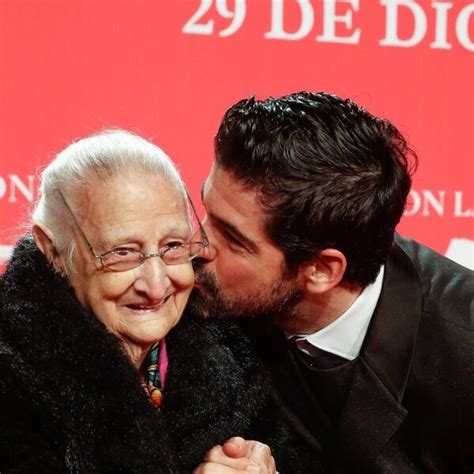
point(330, 175)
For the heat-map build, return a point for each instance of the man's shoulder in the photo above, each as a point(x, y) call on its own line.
point(427, 259)
point(447, 287)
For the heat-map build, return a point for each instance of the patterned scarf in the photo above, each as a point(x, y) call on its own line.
point(156, 362)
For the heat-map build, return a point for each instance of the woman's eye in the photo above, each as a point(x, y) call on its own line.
point(174, 245)
point(124, 251)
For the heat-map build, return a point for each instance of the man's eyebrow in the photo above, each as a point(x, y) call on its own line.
point(247, 242)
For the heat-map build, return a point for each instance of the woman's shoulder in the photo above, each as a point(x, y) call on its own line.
point(27, 440)
point(214, 385)
point(226, 344)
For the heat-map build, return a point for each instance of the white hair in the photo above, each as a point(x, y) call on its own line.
point(103, 155)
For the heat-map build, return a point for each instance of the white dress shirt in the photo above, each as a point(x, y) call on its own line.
point(345, 335)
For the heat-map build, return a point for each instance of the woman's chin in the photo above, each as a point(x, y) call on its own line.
point(148, 328)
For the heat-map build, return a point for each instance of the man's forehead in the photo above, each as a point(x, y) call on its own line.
point(225, 180)
point(231, 204)
point(207, 181)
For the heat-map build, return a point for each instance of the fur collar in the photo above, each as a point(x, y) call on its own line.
point(76, 372)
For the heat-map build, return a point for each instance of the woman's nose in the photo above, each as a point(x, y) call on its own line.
point(152, 278)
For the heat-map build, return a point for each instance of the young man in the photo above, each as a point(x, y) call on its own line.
point(376, 366)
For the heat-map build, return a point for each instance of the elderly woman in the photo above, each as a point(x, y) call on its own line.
point(86, 302)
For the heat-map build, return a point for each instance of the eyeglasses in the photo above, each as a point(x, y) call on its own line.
point(121, 259)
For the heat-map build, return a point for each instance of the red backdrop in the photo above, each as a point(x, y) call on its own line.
point(168, 69)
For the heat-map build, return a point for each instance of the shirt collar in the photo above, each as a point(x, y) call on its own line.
point(345, 335)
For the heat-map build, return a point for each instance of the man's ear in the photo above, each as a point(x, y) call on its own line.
point(324, 272)
point(44, 240)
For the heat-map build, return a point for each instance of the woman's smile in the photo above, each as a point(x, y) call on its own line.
point(146, 308)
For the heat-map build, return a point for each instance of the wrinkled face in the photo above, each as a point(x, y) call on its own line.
point(243, 273)
point(146, 213)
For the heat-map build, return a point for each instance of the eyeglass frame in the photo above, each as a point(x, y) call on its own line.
point(143, 256)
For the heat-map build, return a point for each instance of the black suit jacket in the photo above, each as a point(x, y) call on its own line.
point(410, 405)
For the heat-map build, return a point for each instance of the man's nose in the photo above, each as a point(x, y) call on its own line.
point(153, 279)
point(209, 252)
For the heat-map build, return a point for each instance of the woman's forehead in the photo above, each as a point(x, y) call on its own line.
point(159, 227)
point(128, 202)
point(132, 194)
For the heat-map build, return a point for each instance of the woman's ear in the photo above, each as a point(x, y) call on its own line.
point(324, 272)
point(44, 240)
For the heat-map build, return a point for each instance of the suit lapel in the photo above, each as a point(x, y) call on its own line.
point(373, 410)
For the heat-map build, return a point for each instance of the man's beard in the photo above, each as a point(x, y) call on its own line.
point(278, 301)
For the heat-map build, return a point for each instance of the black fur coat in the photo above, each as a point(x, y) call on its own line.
point(70, 401)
